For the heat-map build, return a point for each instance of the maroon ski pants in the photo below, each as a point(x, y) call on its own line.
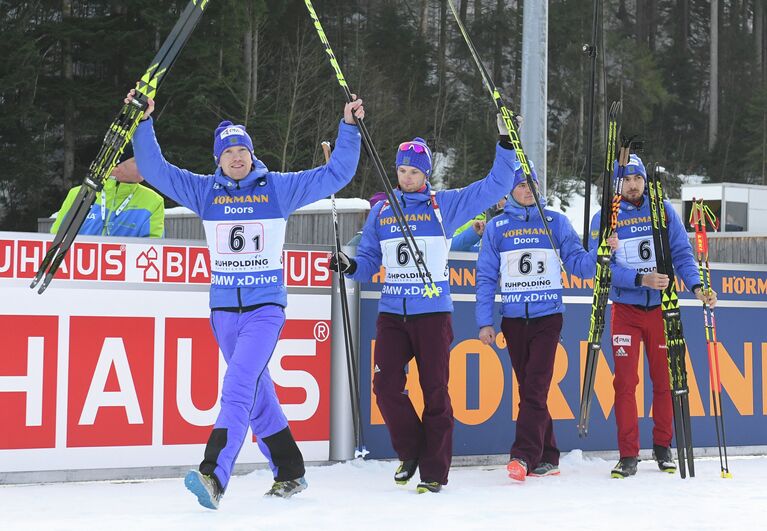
point(532, 345)
point(427, 338)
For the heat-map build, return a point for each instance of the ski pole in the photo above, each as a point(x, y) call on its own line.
point(430, 287)
point(351, 360)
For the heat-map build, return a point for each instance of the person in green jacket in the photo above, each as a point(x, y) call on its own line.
point(122, 208)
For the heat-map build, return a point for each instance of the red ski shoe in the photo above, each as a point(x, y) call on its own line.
point(517, 469)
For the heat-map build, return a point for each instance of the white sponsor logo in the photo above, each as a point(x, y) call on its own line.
point(619, 340)
point(229, 131)
point(621, 353)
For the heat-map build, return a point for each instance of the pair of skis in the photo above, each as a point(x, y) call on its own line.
point(672, 327)
point(608, 221)
point(117, 137)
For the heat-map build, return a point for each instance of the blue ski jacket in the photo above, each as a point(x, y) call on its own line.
point(636, 253)
point(245, 220)
point(516, 250)
point(431, 216)
point(466, 241)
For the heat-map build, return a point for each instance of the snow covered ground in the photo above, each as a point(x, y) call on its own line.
point(362, 496)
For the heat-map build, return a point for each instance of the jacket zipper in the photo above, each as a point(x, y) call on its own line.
point(527, 313)
point(239, 296)
point(404, 310)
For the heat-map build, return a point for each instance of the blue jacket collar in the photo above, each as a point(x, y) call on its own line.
point(628, 206)
point(258, 171)
point(517, 211)
point(424, 196)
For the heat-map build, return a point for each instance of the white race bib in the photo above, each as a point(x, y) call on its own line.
point(637, 253)
point(400, 265)
point(530, 270)
point(245, 246)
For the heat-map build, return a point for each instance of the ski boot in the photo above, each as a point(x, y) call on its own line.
point(544, 469)
point(286, 489)
point(517, 469)
point(405, 471)
point(428, 486)
point(206, 488)
point(627, 466)
point(664, 458)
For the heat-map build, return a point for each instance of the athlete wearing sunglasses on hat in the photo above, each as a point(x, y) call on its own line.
point(409, 324)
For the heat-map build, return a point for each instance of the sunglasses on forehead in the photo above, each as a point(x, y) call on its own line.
point(415, 146)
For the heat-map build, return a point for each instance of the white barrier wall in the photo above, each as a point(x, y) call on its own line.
point(115, 365)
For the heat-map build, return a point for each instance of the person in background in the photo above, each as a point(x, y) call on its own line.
point(375, 198)
point(124, 207)
point(468, 236)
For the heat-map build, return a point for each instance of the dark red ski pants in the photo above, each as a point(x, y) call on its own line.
point(532, 345)
point(427, 338)
point(631, 325)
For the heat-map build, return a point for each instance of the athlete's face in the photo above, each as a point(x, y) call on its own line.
point(522, 194)
point(633, 187)
point(236, 162)
point(410, 178)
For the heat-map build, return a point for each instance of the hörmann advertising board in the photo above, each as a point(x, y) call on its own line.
point(485, 396)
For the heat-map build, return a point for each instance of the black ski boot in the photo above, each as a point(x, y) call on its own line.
point(627, 466)
point(664, 458)
point(405, 471)
point(428, 486)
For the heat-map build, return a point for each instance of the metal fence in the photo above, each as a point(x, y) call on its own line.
point(316, 227)
point(313, 227)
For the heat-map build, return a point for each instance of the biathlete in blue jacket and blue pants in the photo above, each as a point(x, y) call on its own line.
point(516, 250)
point(244, 208)
point(409, 324)
point(636, 317)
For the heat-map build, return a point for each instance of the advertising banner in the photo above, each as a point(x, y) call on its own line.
point(115, 365)
point(485, 395)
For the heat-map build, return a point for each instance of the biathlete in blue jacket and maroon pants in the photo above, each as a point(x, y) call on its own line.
point(516, 249)
point(410, 325)
point(244, 208)
point(636, 317)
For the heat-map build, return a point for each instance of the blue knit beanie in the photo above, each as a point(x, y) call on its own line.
point(519, 174)
point(635, 166)
point(408, 155)
point(228, 135)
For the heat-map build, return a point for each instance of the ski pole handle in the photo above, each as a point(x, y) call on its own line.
point(326, 150)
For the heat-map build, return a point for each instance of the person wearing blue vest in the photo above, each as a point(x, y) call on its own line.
point(636, 316)
point(244, 208)
point(409, 323)
point(516, 249)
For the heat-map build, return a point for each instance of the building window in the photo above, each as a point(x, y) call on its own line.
point(737, 217)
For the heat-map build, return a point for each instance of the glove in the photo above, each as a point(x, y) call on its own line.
point(341, 263)
point(503, 131)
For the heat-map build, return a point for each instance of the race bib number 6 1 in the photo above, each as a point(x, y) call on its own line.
point(239, 238)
